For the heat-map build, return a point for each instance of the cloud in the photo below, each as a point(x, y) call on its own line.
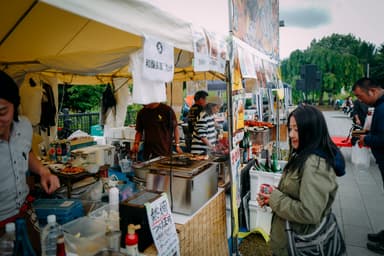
point(308, 17)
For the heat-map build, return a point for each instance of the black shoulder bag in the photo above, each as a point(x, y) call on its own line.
point(326, 240)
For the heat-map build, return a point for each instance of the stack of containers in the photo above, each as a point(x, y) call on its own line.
point(261, 217)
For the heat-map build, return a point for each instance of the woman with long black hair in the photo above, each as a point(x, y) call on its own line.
point(308, 186)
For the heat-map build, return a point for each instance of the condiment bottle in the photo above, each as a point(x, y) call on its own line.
point(132, 240)
point(60, 246)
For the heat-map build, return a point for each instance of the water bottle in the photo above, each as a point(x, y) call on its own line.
point(49, 236)
point(23, 245)
point(7, 241)
point(113, 222)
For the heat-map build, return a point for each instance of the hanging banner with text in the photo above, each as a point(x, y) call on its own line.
point(163, 227)
point(158, 62)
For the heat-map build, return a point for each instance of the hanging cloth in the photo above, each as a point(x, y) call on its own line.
point(48, 109)
point(108, 103)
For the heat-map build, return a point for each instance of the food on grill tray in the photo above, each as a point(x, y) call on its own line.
point(72, 170)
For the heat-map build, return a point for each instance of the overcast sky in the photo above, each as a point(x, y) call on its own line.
point(304, 19)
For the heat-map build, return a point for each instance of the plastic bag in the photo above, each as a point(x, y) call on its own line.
point(368, 119)
point(360, 157)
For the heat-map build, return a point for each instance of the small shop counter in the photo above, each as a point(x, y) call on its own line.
point(204, 232)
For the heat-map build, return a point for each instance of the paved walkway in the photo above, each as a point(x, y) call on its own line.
point(359, 204)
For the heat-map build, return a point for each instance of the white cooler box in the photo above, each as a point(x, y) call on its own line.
point(259, 217)
point(92, 157)
point(258, 177)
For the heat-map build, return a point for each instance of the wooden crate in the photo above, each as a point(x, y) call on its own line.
point(205, 233)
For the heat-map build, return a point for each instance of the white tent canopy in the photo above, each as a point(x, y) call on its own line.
point(87, 41)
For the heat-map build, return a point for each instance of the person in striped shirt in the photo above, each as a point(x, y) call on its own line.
point(204, 136)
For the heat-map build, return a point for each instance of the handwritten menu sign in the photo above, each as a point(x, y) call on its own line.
point(162, 227)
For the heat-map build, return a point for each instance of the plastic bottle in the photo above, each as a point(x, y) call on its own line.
point(49, 236)
point(275, 162)
point(23, 246)
point(132, 240)
point(114, 216)
point(267, 162)
point(7, 241)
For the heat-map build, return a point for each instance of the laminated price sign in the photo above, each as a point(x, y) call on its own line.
point(162, 227)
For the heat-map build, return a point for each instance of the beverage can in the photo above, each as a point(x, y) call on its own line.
point(52, 152)
point(266, 188)
point(59, 152)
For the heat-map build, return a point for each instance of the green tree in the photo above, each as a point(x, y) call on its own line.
point(340, 58)
point(80, 98)
point(377, 70)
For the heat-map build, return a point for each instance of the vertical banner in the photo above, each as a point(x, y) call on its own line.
point(158, 62)
point(162, 227)
point(256, 22)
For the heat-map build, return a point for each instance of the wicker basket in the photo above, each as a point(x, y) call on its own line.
point(205, 233)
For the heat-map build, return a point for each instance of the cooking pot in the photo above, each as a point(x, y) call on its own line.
point(142, 168)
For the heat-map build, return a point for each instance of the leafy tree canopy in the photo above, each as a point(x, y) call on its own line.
point(80, 98)
point(342, 59)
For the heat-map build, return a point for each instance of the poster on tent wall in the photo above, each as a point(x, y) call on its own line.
point(200, 50)
point(158, 62)
point(247, 64)
point(256, 22)
point(238, 111)
point(217, 49)
point(236, 82)
point(210, 51)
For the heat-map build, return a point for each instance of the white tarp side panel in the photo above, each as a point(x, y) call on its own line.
point(135, 16)
point(77, 68)
point(123, 99)
point(89, 63)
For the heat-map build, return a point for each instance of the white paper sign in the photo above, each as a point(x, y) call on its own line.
point(144, 90)
point(162, 227)
point(158, 62)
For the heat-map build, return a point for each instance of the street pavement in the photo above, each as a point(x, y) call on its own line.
point(359, 205)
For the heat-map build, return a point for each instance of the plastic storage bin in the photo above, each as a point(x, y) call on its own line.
point(258, 177)
point(97, 130)
point(85, 236)
point(259, 217)
point(64, 209)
